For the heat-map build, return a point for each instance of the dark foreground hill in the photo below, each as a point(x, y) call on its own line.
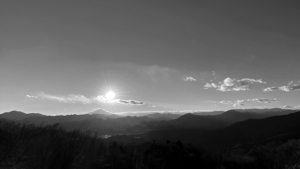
point(29, 146)
point(209, 122)
point(249, 132)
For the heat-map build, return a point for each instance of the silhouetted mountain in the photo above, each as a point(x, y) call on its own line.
point(165, 116)
point(100, 111)
point(232, 116)
point(279, 113)
point(214, 121)
point(190, 127)
point(209, 113)
point(268, 127)
point(254, 130)
point(272, 111)
point(98, 121)
point(247, 132)
point(43, 119)
point(237, 115)
point(60, 119)
point(108, 126)
point(17, 115)
point(195, 121)
point(104, 114)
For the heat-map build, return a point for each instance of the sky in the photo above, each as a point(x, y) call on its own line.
point(63, 57)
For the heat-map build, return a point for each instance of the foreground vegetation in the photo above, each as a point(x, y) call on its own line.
point(31, 146)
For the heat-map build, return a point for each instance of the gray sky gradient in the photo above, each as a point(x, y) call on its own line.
point(160, 53)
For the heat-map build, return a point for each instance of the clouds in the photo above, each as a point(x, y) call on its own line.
point(241, 103)
point(210, 85)
point(226, 102)
point(237, 103)
point(130, 102)
point(263, 100)
point(165, 74)
point(290, 87)
point(73, 98)
point(273, 88)
point(290, 107)
point(30, 96)
point(231, 84)
point(190, 79)
point(103, 99)
point(157, 73)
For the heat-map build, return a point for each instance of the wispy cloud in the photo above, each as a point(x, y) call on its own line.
point(190, 79)
point(157, 73)
point(30, 96)
point(231, 84)
point(73, 98)
point(210, 85)
point(226, 102)
point(103, 99)
point(164, 74)
point(130, 102)
point(237, 103)
point(263, 100)
point(291, 107)
point(292, 86)
point(273, 88)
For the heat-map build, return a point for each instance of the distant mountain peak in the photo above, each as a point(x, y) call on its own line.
point(101, 111)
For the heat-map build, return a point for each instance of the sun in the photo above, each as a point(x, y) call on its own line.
point(110, 95)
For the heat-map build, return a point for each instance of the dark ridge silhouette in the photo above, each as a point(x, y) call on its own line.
point(246, 132)
point(209, 113)
point(227, 118)
point(232, 116)
point(270, 112)
point(31, 146)
point(106, 126)
point(60, 119)
point(256, 143)
point(163, 116)
point(18, 115)
point(266, 128)
point(106, 123)
point(254, 130)
point(195, 121)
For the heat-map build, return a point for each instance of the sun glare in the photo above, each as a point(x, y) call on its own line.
point(110, 95)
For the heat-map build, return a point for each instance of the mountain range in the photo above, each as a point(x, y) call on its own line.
point(244, 134)
point(104, 122)
point(230, 129)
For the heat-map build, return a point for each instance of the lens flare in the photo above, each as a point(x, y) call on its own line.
point(110, 95)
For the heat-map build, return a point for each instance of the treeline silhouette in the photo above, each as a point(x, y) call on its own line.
point(24, 145)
